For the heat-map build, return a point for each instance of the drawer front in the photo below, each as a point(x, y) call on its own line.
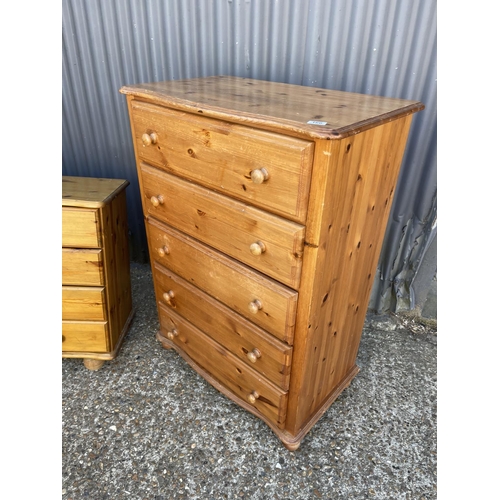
point(81, 336)
point(226, 368)
point(268, 243)
point(246, 341)
point(260, 299)
point(82, 267)
point(225, 157)
point(80, 228)
point(83, 303)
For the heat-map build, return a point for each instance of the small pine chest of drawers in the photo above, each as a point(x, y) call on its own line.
point(265, 207)
point(96, 289)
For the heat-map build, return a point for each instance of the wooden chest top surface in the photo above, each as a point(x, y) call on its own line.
point(90, 192)
point(279, 106)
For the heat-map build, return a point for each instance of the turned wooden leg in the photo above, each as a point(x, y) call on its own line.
point(93, 364)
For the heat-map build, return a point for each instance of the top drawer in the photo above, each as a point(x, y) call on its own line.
point(80, 228)
point(266, 169)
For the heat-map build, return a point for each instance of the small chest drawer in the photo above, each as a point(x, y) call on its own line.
point(83, 303)
point(246, 341)
point(266, 169)
point(80, 228)
point(246, 383)
point(82, 267)
point(266, 242)
point(261, 300)
point(84, 336)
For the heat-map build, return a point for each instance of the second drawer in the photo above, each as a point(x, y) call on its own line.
point(82, 267)
point(266, 242)
point(245, 340)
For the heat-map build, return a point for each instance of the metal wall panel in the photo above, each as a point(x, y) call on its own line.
point(381, 47)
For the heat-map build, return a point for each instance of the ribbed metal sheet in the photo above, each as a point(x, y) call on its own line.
point(382, 47)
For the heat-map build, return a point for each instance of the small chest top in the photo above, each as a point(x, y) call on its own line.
point(300, 110)
point(90, 192)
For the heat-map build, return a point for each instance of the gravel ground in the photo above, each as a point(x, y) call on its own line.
point(146, 426)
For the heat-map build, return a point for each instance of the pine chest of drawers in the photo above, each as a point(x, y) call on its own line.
point(265, 207)
point(96, 290)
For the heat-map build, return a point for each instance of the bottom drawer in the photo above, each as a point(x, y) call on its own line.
point(240, 379)
point(85, 336)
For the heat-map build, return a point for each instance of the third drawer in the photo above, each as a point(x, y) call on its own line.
point(264, 241)
point(258, 298)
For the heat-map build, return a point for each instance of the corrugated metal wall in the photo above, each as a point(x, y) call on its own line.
point(381, 47)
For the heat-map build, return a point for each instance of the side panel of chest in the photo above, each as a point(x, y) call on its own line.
point(350, 203)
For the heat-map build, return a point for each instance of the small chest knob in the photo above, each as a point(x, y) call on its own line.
point(257, 248)
point(172, 334)
point(148, 139)
point(259, 175)
point(255, 306)
point(157, 200)
point(168, 296)
point(254, 355)
point(253, 396)
point(164, 250)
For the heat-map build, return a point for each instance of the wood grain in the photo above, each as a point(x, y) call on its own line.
point(337, 156)
point(90, 192)
point(225, 279)
point(276, 106)
point(226, 224)
point(227, 368)
point(82, 267)
point(80, 228)
point(89, 336)
point(83, 303)
point(290, 441)
point(116, 259)
point(352, 202)
point(222, 324)
point(222, 155)
point(96, 295)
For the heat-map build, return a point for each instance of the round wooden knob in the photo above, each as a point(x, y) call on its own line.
point(254, 355)
point(157, 200)
point(168, 296)
point(255, 306)
point(259, 175)
point(172, 334)
point(253, 396)
point(148, 139)
point(164, 250)
point(257, 248)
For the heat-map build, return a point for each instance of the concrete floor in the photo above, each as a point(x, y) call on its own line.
point(146, 426)
point(430, 306)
